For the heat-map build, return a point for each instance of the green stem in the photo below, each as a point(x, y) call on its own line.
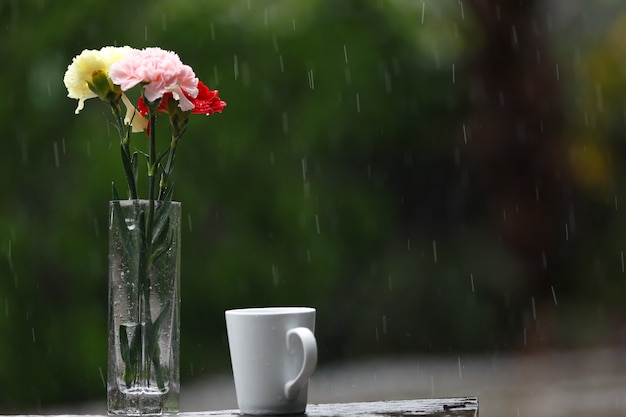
point(169, 166)
point(124, 133)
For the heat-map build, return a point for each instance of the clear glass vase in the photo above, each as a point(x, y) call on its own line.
point(144, 307)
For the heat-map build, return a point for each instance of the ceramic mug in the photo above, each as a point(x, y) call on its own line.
point(273, 353)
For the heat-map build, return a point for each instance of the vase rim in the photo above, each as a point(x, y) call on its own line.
point(127, 202)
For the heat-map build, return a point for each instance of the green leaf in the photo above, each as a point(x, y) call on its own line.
point(153, 343)
point(161, 247)
point(121, 226)
point(161, 222)
point(130, 368)
point(135, 166)
point(128, 171)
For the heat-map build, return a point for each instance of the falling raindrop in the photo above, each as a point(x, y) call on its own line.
point(460, 371)
point(145, 33)
point(464, 134)
point(308, 256)
point(216, 78)
point(304, 168)
point(285, 122)
point(514, 35)
point(212, 30)
point(532, 300)
point(384, 320)
point(104, 384)
point(294, 24)
point(390, 282)
point(544, 260)
point(436, 57)
point(599, 100)
point(358, 103)
point(432, 385)
point(435, 251)
point(556, 303)
point(408, 244)
point(317, 224)
point(566, 232)
point(621, 255)
point(55, 146)
point(387, 77)
point(557, 71)
point(423, 10)
point(462, 12)
point(472, 281)
point(265, 18)
point(236, 67)
point(275, 277)
point(96, 227)
point(282, 65)
point(272, 158)
point(311, 80)
point(189, 225)
point(345, 53)
point(615, 200)
point(32, 330)
point(453, 75)
point(6, 306)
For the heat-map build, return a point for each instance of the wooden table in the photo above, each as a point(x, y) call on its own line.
point(440, 407)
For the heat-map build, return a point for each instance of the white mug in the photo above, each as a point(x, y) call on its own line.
point(273, 353)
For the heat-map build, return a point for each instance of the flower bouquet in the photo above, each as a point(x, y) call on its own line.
point(144, 234)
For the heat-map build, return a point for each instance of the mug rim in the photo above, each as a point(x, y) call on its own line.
point(269, 311)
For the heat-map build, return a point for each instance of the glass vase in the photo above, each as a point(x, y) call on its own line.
point(144, 307)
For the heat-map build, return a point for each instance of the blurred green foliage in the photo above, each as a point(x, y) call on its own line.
point(336, 177)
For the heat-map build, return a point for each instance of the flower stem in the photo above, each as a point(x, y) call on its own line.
point(124, 133)
point(167, 170)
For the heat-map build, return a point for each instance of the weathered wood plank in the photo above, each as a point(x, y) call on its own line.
point(436, 407)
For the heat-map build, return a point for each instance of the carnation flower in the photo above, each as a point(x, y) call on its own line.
point(79, 77)
point(162, 72)
point(206, 102)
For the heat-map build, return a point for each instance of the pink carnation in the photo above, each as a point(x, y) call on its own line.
point(161, 70)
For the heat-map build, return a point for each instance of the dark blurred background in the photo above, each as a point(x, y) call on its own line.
point(433, 176)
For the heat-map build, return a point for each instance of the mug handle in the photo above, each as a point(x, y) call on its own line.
point(309, 361)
